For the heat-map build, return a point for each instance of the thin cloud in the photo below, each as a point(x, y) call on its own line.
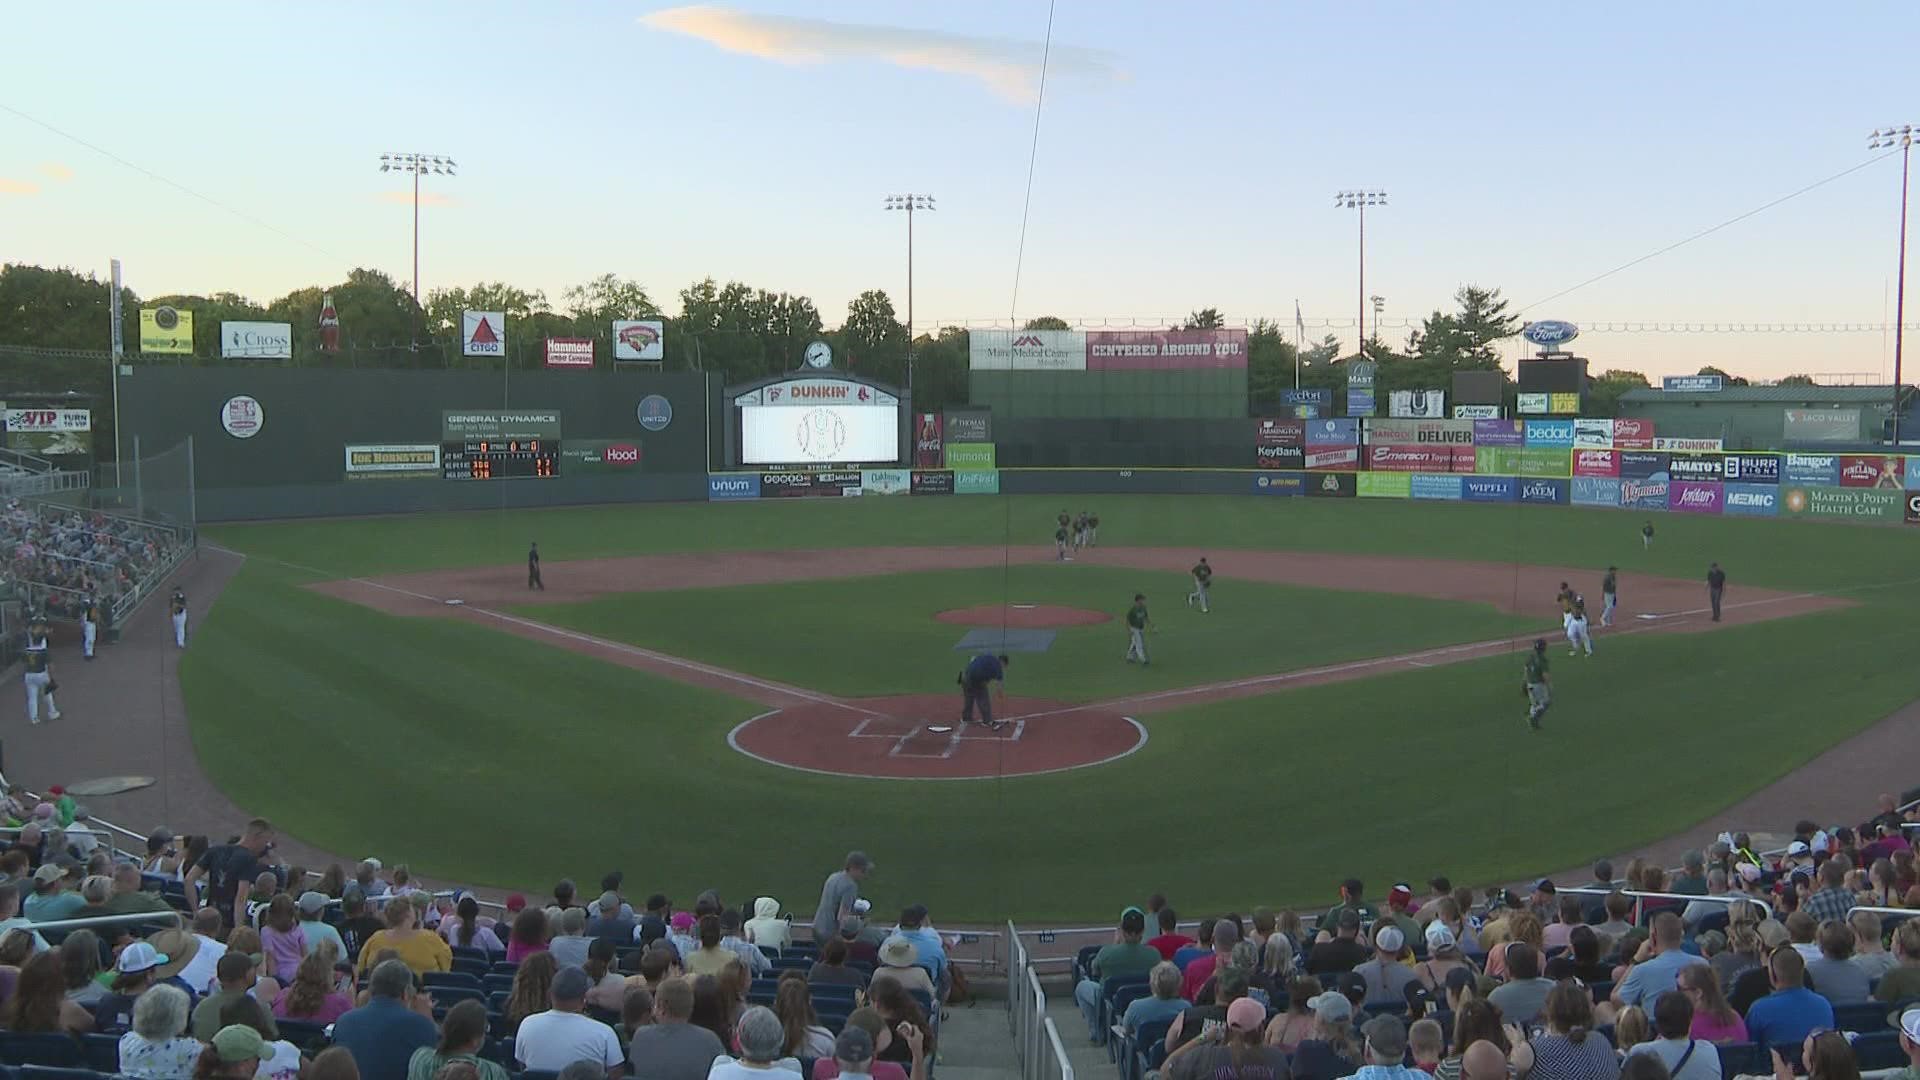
point(427, 198)
point(1011, 69)
point(56, 172)
point(10, 186)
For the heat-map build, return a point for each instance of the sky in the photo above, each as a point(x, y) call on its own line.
point(1187, 157)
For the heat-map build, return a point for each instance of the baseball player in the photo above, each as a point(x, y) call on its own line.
point(1080, 531)
point(533, 568)
point(1539, 684)
point(1646, 536)
point(1610, 594)
point(1202, 581)
point(1578, 634)
point(1093, 530)
point(977, 681)
point(1138, 623)
point(1565, 599)
point(177, 608)
point(89, 626)
point(1716, 585)
point(1060, 541)
point(39, 676)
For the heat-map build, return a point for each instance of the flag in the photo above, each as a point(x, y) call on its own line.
point(1299, 323)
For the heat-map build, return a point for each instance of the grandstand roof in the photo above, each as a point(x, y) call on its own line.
point(1788, 395)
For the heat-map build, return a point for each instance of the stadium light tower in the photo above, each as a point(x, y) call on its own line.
point(1886, 139)
point(419, 165)
point(1360, 200)
point(909, 203)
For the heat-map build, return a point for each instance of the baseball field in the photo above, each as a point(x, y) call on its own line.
point(734, 694)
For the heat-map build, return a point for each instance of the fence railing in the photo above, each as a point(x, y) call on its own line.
point(1036, 1040)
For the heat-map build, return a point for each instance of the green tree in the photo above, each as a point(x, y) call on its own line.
point(597, 303)
point(1047, 322)
point(1605, 390)
point(1798, 380)
point(872, 338)
point(1204, 319)
point(1464, 340)
point(444, 306)
point(1730, 380)
point(940, 369)
point(1321, 354)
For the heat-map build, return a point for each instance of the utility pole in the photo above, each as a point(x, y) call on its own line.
point(909, 203)
point(418, 165)
point(1360, 200)
point(1901, 137)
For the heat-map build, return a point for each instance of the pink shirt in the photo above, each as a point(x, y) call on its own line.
point(331, 1008)
point(1555, 936)
point(518, 951)
point(284, 951)
point(1706, 1027)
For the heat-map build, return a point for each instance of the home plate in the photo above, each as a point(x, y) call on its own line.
point(940, 729)
point(455, 603)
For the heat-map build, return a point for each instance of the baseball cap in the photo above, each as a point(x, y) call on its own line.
point(682, 920)
point(1772, 933)
point(312, 902)
point(851, 925)
point(1907, 1020)
point(1400, 895)
point(861, 907)
point(48, 873)
point(1545, 885)
point(1246, 1014)
point(45, 810)
point(571, 983)
point(1390, 940)
point(138, 957)
point(1798, 847)
point(238, 1042)
point(853, 1046)
point(516, 901)
point(1749, 872)
point(1439, 937)
point(1331, 1005)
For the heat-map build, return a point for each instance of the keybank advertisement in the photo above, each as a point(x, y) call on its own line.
point(1751, 500)
point(1596, 491)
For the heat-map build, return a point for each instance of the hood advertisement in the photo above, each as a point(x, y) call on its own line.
point(1592, 434)
point(1489, 488)
point(1282, 483)
point(1709, 467)
point(1165, 350)
point(639, 339)
point(591, 456)
point(1596, 463)
point(256, 341)
point(1499, 433)
point(1812, 470)
point(1631, 434)
point(1751, 468)
point(1547, 492)
point(1550, 433)
point(1641, 464)
point(1871, 471)
point(1649, 493)
point(1417, 404)
point(1027, 350)
point(927, 441)
point(1750, 500)
point(1333, 433)
point(1595, 491)
point(1445, 488)
point(1694, 497)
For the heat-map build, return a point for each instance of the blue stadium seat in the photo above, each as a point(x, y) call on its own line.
point(40, 1048)
point(1879, 1050)
point(1865, 1017)
point(451, 978)
point(492, 983)
point(1738, 1059)
point(497, 1001)
point(474, 966)
point(1083, 962)
point(501, 967)
point(103, 1051)
point(1109, 988)
point(47, 1072)
point(824, 994)
point(537, 1074)
point(1151, 1039)
point(303, 1034)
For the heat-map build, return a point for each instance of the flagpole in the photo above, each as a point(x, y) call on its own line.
point(1299, 332)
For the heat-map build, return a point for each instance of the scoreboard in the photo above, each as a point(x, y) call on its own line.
point(500, 459)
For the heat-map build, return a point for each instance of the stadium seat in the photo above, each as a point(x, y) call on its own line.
point(1601, 990)
point(1150, 1039)
point(1111, 987)
point(467, 965)
point(307, 1036)
point(1083, 962)
point(40, 1048)
point(497, 1001)
point(492, 983)
point(471, 952)
point(1879, 1050)
point(102, 1052)
point(1712, 920)
point(502, 967)
point(458, 979)
point(1863, 1018)
point(537, 1074)
point(47, 1072)
point(1743, 1059)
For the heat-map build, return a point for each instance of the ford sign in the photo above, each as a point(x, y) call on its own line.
point(1549, 332)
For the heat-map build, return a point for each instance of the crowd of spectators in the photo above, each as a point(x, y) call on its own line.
point(60, 555)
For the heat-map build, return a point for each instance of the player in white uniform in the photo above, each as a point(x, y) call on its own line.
point(177, 609)
point(89, 627)
point(39, 676)
point(1578, 634)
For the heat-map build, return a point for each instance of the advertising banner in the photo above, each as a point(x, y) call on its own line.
point(1913, 472)
point(1476, 412)
point(1854, 504)
point(1420, 432)
point(483, 333)
point(812, 392)
point(1631, 434)
point(1549, 492)
point(1530, 404)
point(1280, 444)
point(570, 352)
point(1821, 425)
point(806, 485)
point(1418, 404)
point(1871, 471)
point(1499, 433)
point(1497, 460)
point(1434, 459)
point(242, 416)
point(1649, 493)
point(495, 425)
point(928, 443)
point(639, 339)
point(166, 330)
point(1280, 483)
point(1595, 491)
point(1812, 470)
point(1596, 463)
point(1752, 468)
point(48, 421)
point(1360, 403)
point(1562, 404)
point(593, 456)
point(1339, 485)
point(1027, 350)
point(1319, 401)
point(1332, 457)
point(1384, 485)
point(969, 456)
point(1686, 445)
point(977, 482)
point(1589, 434)
point(1704, 467)
point(733, 486)
point(1165, 350)
point(1693, 384)
point(1642, 464)
point(408, 461)
point(1544, 461)
point(1694, 497)
point(1360, 388)
point(1427, 486)
point(256, 341)
point(968, 425)
point(931, 482)
point(1333, 433)
point(1489, 488)
point(1557, 433)
point(1913, 507)
point(1751, 500)
point(885, 481)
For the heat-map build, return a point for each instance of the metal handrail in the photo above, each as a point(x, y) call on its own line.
point(1059, 1051)
point(142, 918)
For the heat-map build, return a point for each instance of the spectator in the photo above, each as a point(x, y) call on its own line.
point(1234, 1049)
point(383, 1034)
point(1127, 957)
point(1523, 928)
point(1571, 914)
point(1869, 955)
point(1384, 976)
point(609, 991)
point(1332, 1051)
point(561, 1035)
point(234, 1053)
point(1903, 980)
point(854, 1052)
point(532, 987)
point(1544, 901)
point(1835, 976)
point(805, 1038)
point(563, 894)
point(760, 1039)
point(421, 950)
point(1908, 1024)
point(1351, 899)
point(1568, 1049)
point(1385, 1050)
point(312, 907)
point(314, 995)
point(861, 949)
point(612, 920)
point(712, 1008)
point(1442, 889)
point(1163, 1002)
point(670, 1048)
point(1294, 1024)
point(733, 940)
point(1170, 940)
point(236, 974)
point(1801, 932)
point(896, 1009)
point(1833, 900)
point(1226, 934)
point(1618, 908)
point(158, 1047)
point(192, 960)
point(1693, 877)
point(636, 1012)
point(528, 936)
point(11, 919)
point(39, 1000)
point(932, 953)
point(1743, 952)
point(1426, 1044)
point(359, 923)
point(281, 1061)
point(285, 943)
point(230, 870)
point(1828, 1056)
point(1475, 1023)
point(245, 941)
point(652, 924)
point(1791, 1010)
point(1399, 899)
point(51, 900)
point(570, 941)
point(831, 968)
point(709, 957)
point(899, 962)
point(333, 1063)
point(1713, 1019)
point(1523, 997)
point(734, 984)
point(80, 963)
point(468, 929)
point(1684, 1055)
point(134, 973)
point(1450, 912)
point(1656, 964)
point(658, 964)
point(462, 1036)
point(837, 895)
point(1483, 1061)
point(1631, 1029)
point(1342, 951)
point(767, 929)
point(1696, 910)
point(1583, 948)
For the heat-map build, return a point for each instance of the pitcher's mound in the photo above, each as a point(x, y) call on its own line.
point(921, 738)
point(1023, 616)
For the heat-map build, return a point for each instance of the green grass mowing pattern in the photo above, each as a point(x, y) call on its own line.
point(877, 635)
point(1755, 551)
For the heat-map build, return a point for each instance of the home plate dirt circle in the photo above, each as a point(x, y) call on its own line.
point(898, 738)
point(1023, 616)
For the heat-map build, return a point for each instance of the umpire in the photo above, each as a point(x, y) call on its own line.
point(976, 687)
point(1716, 584)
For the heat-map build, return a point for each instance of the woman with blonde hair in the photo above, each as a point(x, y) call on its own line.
point(314, 996)
point(421, 950)
point(1630, 1029)
point(1522, 926)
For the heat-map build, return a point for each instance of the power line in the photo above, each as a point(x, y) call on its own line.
point(1033, 158)
point(1616, 326)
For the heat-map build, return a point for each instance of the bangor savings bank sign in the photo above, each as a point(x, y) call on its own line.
point(1549, 332)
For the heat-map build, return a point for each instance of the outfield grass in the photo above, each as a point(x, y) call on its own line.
point(492, 760)
point(876, 635)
